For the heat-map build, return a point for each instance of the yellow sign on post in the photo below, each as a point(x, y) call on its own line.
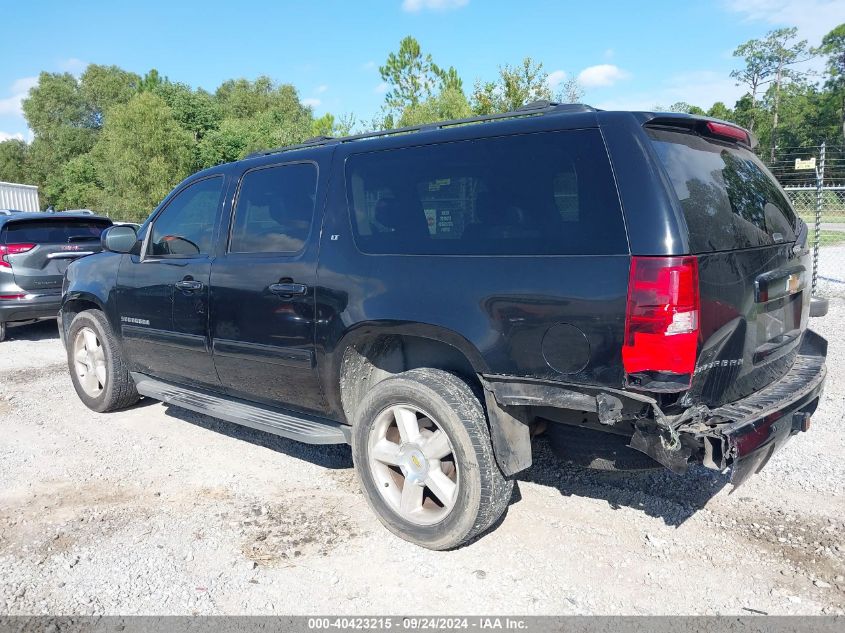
point(805, 163)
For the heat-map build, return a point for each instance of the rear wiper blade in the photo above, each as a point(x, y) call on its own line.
point(81, 238)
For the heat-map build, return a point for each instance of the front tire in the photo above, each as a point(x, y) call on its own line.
point(424, 459)
point(2, 331)
point(97, 368)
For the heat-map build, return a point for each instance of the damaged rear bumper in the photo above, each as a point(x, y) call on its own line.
point(743, 435)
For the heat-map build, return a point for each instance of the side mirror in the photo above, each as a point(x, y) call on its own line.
point(119, 239)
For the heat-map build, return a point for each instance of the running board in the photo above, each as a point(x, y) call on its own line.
point(295, 426)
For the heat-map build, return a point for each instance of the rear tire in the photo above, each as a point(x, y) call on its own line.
point(437, 491)
point(97, 368)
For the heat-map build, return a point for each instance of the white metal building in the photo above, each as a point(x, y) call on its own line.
point(19, 197)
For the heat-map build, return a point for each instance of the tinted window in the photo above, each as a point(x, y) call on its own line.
point(532, 194)
point(729, 198)
point(186, 226)
point(57, 231)
point(274, 209)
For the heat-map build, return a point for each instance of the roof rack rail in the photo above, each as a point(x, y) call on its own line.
point(529, 109)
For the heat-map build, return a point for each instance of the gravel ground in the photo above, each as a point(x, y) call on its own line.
point(156, 510)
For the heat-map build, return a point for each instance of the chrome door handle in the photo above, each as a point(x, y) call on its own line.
point(189, 284)
point(288, 288)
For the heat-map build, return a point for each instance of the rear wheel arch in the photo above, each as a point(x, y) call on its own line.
point(367, 356)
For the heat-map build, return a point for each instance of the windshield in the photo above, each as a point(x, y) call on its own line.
point(729, 198)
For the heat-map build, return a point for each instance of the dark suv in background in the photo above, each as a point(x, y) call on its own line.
point(35, 250)
point(437, 295)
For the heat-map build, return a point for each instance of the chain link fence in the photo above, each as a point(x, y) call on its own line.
point(814, 180)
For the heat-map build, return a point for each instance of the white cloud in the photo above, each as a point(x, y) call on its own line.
point(381, 88)
point(322, 88)
point(555, 78)
point(5, 136)
point(73, 65)
point(700, 87)
point(814, 18)
point(311, 102)
point(414, 6)
point(601, 75)
point(19, 89)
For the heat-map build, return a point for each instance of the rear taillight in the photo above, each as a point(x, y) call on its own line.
point(661, 321)
point(12, 249)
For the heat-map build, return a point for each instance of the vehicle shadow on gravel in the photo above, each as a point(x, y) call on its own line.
point(333, 456)
point(41, 331)
point(657, 493)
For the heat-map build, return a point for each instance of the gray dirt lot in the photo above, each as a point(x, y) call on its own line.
point(156, 510)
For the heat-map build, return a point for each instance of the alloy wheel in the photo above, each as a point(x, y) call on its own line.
point(89, 362)
point(413, 464)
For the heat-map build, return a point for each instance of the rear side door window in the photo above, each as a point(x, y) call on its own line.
point(274, 210)
point(186, 226)
point(549, 193)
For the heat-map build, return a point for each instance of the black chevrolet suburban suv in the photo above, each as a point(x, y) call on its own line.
point(35, 250)
point(436, 295)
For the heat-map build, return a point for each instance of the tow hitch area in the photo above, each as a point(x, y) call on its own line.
point(742, 435)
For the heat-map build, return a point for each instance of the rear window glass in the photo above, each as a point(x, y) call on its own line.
point(729, 198)
point(532, 194)
point(58, 231)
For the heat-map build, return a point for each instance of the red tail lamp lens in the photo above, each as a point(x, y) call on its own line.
point(12, 249)
point(662, 318)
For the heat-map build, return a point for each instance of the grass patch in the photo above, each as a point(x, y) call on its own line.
point(828, 238)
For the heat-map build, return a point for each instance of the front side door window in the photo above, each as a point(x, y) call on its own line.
point(186, 227)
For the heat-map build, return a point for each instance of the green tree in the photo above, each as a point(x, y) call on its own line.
point(413, 77)
point(756, 74)
point(103, 87)
point(13, 159)
point(195, 110)
point(141, 154)
point(76, 185)
point(570, 92)
point(515, 87)
point(785, 52)
point(720, 111)
point(451, 103)
point(833, 47)
point(324, 126)
point(241, 98)
point(683, 106)
point(276, 118)
point(151, 80)
point(56, 101)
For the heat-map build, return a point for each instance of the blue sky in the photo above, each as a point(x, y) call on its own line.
point(627, 54)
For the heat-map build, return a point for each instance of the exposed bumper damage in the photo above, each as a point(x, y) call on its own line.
point(742, 435)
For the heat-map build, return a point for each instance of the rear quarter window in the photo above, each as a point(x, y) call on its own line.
point(550, 193)
point(58, 231)
point(729, 198)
